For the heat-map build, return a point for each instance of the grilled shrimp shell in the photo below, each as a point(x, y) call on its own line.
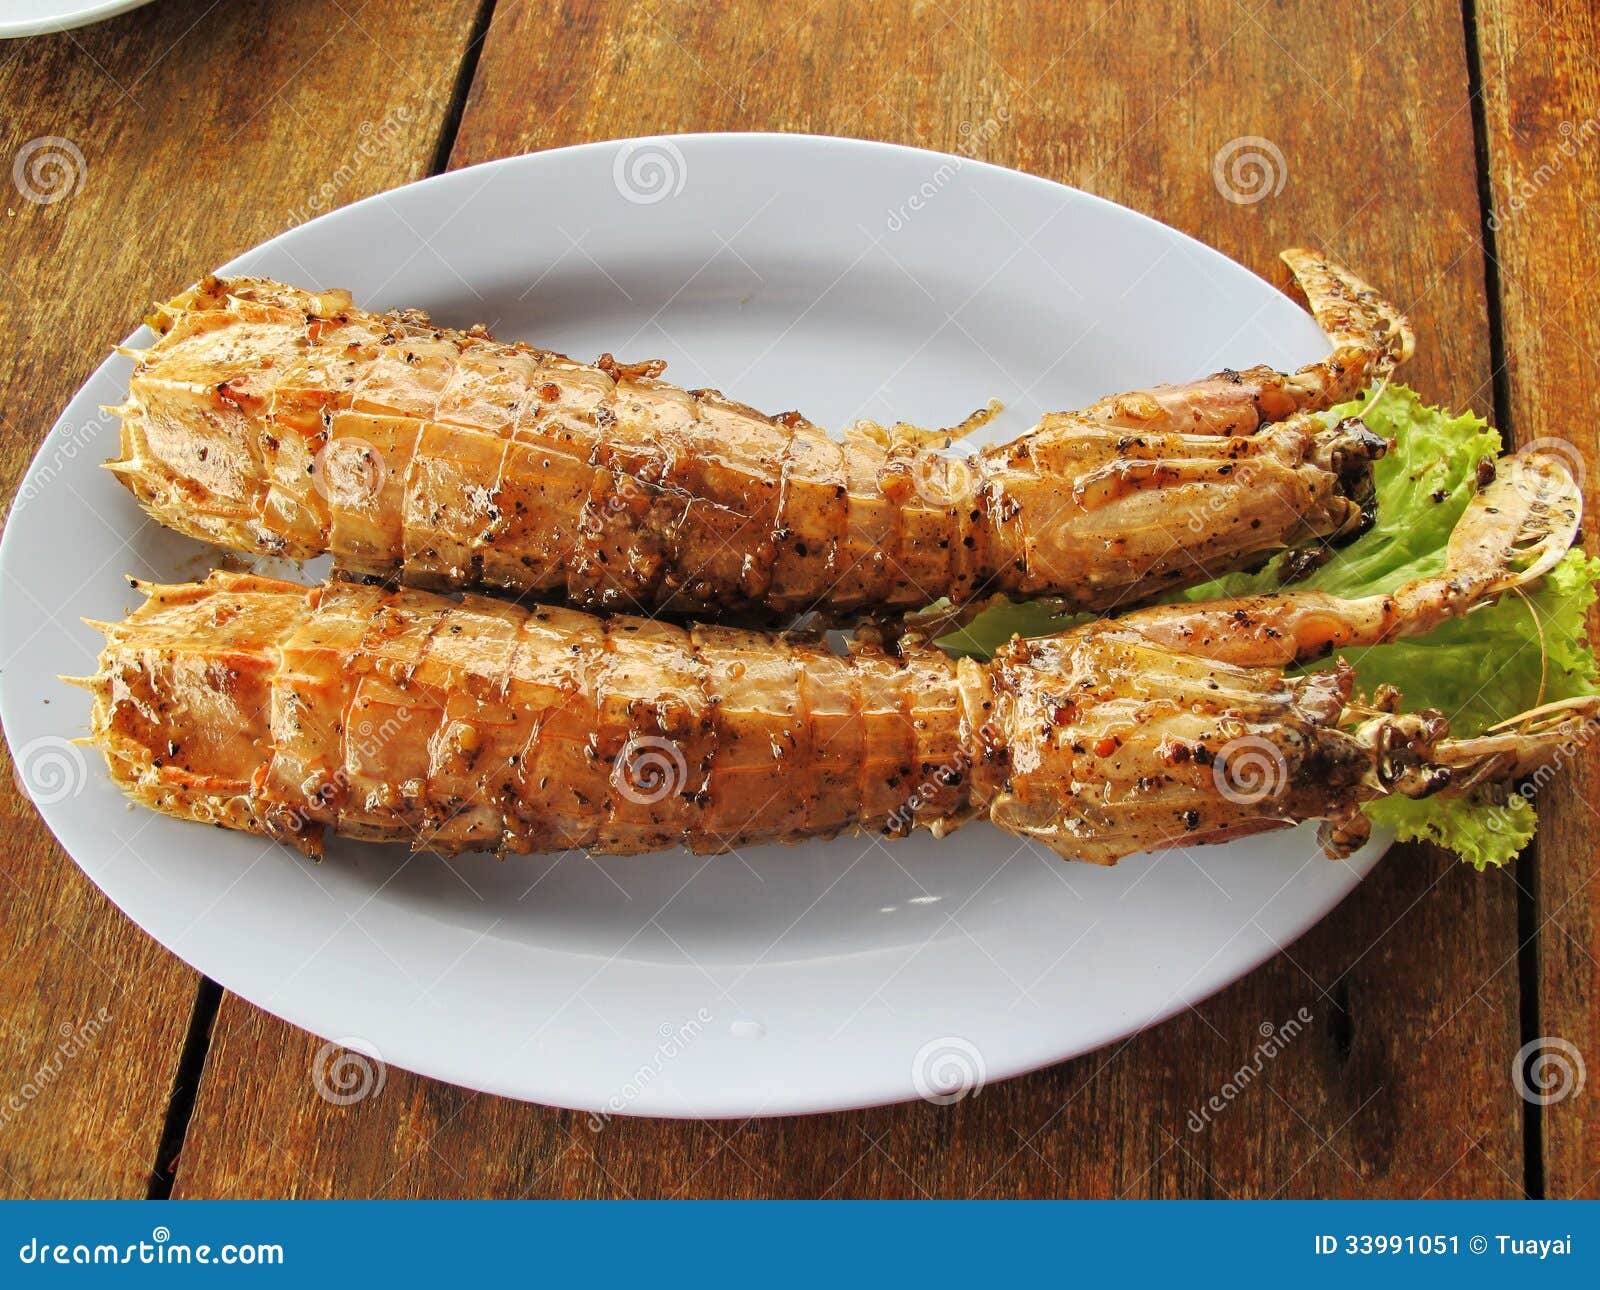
point(403, 715)
point(290, 423)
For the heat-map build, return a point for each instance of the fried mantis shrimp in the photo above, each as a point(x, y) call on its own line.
point(289, 423)
point(400, 715)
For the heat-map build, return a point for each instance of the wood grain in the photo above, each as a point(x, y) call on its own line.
point(202, 129)
point(1542, 109)
point(1398, 1087)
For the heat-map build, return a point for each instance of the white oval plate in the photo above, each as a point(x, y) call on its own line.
point(844, 278)
point(39, 17)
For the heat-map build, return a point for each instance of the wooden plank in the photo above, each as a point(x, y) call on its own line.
point(1397, 1086)
point(200, 128)
point(1541, 96)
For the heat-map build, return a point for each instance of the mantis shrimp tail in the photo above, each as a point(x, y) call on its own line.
point(1369, 335)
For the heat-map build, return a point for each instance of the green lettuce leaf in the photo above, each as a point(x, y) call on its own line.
point(1423, 485)
point(1001, 621)
point(1483, 828)
point(1498, 661)
point(1477, 670)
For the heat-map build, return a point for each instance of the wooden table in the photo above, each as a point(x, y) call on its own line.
point(1453, 153)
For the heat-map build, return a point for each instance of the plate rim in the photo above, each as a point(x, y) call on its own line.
point(1021, 1057)
point(14, 28)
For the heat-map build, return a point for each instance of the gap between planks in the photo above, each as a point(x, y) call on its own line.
point(208, 994)
point(1526, 871)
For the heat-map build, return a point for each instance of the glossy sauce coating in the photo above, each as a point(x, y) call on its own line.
point(285, 422)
